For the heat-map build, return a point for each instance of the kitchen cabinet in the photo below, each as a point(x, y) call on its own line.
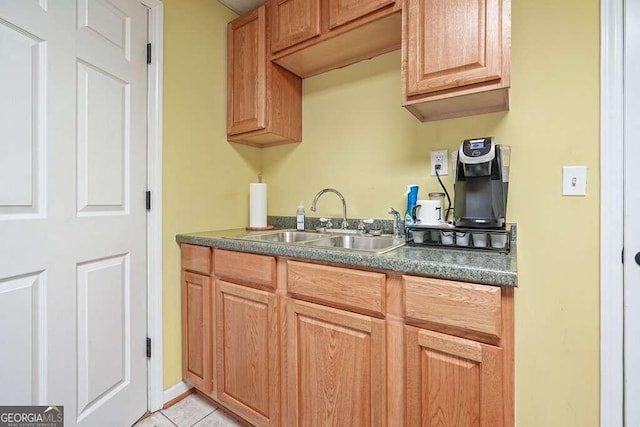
point(456, 57)
point(458, 353)
point(452, 381)
point(335, 367)
point(197, 360)
point(335, 364)
point(279, 341)
point(247, 352)
point(309, 37)
point(264, 101)
point(247, 344)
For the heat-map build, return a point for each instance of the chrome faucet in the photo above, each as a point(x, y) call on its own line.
point(345, 223)
point(397, 221)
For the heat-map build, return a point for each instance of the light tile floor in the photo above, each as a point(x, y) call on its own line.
point(192, 411)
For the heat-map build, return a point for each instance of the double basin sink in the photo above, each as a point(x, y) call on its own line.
point(371, 244)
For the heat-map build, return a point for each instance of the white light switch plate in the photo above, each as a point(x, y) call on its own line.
point(574, 180)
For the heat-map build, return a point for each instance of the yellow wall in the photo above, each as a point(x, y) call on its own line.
point(358, 139)
point(205, 177)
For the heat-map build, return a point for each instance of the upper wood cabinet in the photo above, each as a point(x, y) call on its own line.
point(264, 101)
point(293, 21)
point(456, 57)
point(310, 37)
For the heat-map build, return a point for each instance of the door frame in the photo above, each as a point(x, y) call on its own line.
point(155, 399)
point(611, 212)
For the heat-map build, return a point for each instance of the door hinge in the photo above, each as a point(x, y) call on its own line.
point(148, 200)
point(148, 348)
point(622, 256)
point(148, 53)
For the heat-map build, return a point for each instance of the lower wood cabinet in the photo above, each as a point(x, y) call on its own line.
point(247, 352)
point(284, 342)
point(335, 367)
point(196, 330)
point(452, 381)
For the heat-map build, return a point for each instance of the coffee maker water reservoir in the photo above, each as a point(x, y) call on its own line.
point(481, 184)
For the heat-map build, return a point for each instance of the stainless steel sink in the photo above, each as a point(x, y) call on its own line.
point(371, 244)
point(288, 236)
point(377, 244)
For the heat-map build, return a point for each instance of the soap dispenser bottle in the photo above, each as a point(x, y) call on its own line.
point(300, 217)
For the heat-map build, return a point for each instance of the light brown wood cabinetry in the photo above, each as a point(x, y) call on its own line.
point(335, 367)
point(264, 101)
point(293, 21)
point(456, 57)
point(310, 37)
point(289, 342)
point(241, 267)
point(247, 352)
point(452, 381)
point(197, 358)
point(196, 330)
point(357, 290)
point(454, 307)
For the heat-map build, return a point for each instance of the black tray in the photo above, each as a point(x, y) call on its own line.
point(497, 240)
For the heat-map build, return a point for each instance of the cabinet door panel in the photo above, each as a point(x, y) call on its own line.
point(246, 322)
point(196, 330)
point(246, 88)
point(452, 381)
point(335, 367)
point(452, 43)
point(343, 11)
point(293, 21)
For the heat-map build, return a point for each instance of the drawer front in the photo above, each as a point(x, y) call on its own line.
point(245, 268)
point(464, 306)
point(196, 258)
point(341, 287)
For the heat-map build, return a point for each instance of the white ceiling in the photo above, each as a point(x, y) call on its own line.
point(241, 6)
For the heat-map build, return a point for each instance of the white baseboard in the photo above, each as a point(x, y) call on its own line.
point(175, 390)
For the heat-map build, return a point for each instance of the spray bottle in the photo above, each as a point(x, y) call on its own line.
point(412, 199)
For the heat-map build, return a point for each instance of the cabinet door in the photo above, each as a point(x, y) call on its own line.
point(335, 367)
point(247, 352)
point(452, 381)
point(246, 81)
point(452, 43)
point(293, 21)
point(343, 11)
point(196, 330)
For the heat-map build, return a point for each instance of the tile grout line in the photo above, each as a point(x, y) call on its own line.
point(215, 408)
point(170, 420)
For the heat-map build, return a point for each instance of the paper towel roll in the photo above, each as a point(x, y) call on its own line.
point(257, 205)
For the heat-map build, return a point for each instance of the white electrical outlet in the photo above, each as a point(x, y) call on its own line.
point(440, 157)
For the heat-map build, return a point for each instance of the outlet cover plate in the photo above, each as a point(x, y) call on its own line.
point(440, 157)
point(574, 180)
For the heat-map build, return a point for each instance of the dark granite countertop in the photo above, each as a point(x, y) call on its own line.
point(465, 265)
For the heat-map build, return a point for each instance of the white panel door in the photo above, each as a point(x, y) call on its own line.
point(73, 90)
point(632, 213)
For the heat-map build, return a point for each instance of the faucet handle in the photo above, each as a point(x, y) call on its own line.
point(326, 223)
point(361, 225)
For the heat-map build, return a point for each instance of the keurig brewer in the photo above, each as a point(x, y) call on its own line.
point(481, 184)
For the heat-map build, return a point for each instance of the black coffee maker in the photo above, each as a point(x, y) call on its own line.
point(481, 184)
